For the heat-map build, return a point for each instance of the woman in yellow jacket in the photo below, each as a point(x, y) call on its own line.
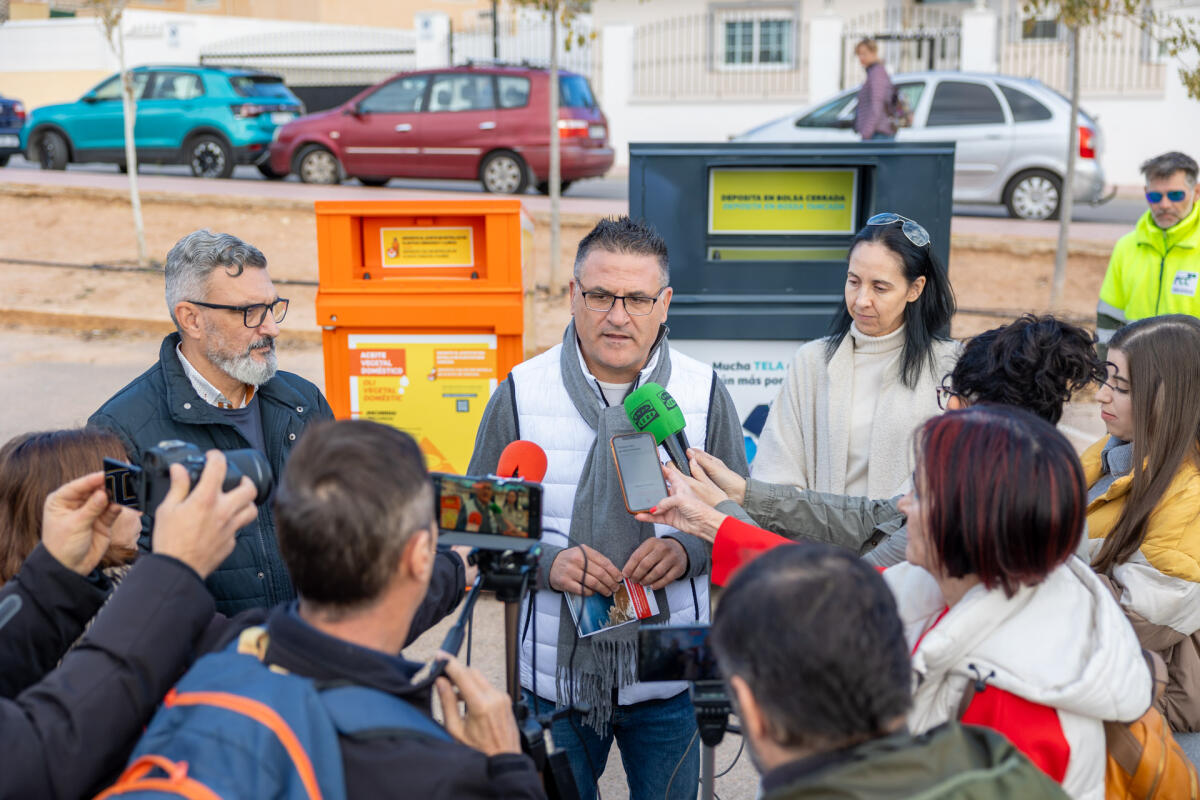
point(1144, 497)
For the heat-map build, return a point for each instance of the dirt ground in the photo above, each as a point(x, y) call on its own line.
point(995, 279)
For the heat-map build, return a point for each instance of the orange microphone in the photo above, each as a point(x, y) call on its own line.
point(522, 459)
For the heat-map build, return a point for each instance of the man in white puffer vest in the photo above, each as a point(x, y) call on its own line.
point(569, 401)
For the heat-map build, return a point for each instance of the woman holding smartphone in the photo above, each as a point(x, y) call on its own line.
point(843, 420)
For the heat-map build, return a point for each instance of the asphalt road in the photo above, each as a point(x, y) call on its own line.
point(1124, 209)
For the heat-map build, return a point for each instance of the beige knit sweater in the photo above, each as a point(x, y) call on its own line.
point(806, 439)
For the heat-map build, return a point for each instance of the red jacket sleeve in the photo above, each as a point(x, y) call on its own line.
point(737, 543)
point(1032, 728)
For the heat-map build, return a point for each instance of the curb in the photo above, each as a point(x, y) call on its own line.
point(241, 202)
point(23, 318)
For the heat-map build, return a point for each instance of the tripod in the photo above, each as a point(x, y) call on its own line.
point(712, 717)
point(508, 573)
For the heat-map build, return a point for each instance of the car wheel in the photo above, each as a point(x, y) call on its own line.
point(52, 150)
point(315, 164)
point(1035, 194)
point(503, 172)
point(209, 157)
point(368, 181)
point(3, 161)
point(265, 170)
point(543, 187)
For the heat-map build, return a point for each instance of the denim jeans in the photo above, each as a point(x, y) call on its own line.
point(882, 136)
point(654, 737)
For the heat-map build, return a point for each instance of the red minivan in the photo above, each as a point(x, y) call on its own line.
point(486, 123)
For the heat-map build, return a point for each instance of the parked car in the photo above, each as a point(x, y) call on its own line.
point(1010, 135)
point(486, 123)
point(12, 119)
point(210, 118)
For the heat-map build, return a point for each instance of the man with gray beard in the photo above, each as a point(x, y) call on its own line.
point(217, 385)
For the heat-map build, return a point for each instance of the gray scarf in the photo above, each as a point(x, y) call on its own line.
point(1116, 460)
point(598, 664)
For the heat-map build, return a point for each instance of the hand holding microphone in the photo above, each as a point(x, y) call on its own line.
point(652, 409)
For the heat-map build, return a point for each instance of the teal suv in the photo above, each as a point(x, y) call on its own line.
point(210, 118)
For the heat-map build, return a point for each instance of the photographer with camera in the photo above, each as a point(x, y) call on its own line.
point(357, 532)
point(216, 384)
point(75, 726)
point(822, 701)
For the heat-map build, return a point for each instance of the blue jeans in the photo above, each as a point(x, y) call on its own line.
point(882, 136)
point(654, 737)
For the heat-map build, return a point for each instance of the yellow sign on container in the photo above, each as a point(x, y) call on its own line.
point(780, 200)
point(427, 247)
point(433, 386)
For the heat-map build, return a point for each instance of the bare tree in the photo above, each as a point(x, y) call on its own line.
point(1176, 34)
point(110, 12)
point(565, 13)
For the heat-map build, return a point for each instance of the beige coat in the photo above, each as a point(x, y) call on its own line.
point(805, 441)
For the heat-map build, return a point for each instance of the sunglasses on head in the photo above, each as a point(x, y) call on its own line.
point(1175, 196)
point(912, 230)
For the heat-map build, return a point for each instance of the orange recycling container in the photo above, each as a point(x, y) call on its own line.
point(422, 309)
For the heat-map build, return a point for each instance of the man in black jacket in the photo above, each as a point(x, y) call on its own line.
point(357, 532)
point(69, 730)
point(216, 385)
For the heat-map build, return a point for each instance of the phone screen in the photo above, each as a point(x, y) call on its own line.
point(640, 470)
point(487, 506)
point(677, 653)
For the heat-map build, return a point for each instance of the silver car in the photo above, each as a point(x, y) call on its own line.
point(1011, 136)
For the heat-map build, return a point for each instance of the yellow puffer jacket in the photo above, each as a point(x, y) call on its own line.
point(1172, 544)
point(1159, 586)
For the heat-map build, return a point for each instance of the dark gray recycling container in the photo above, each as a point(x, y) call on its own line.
point(778, 284)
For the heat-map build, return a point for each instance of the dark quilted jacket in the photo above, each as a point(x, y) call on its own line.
point(161, 404)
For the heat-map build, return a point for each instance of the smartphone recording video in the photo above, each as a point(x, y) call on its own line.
point(676, 653)
point(494, 513)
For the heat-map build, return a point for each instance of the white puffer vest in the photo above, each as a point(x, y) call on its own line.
point(1063, 643)
point(547, 416)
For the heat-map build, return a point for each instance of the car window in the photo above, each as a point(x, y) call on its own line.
point(397, 97)
point(261, 86)
point(574, 92)
point(514, 92)
point(838, 110)
point(111, 88)
point(911, 93)
point(461, 92)
point(1024, 108)
point(176, 86)
point(962, 103)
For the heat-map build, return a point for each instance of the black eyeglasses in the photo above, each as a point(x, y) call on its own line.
point(255, 314)
point(944, 393)
point(913, 230)
point(635, 306)
point(1175, 196)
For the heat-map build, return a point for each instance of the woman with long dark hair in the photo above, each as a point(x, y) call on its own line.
point(843, 420)
point(1008, 629)
point(1144, 497)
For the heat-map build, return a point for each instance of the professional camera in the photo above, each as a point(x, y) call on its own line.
point(145, 487)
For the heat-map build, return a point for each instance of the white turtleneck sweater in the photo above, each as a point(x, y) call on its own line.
point(845, 426)
point(876, 369)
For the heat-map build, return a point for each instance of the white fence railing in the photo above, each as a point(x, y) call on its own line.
point(1116, 57)
point(524, 37)
point(721, 56)
point(910, 39)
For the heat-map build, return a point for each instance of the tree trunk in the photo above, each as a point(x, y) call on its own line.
point(130, 113)
point(555, 154)
point(1067, 195)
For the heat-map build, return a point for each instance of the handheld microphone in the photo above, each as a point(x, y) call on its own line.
point(651, 409)
point(522, 459)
